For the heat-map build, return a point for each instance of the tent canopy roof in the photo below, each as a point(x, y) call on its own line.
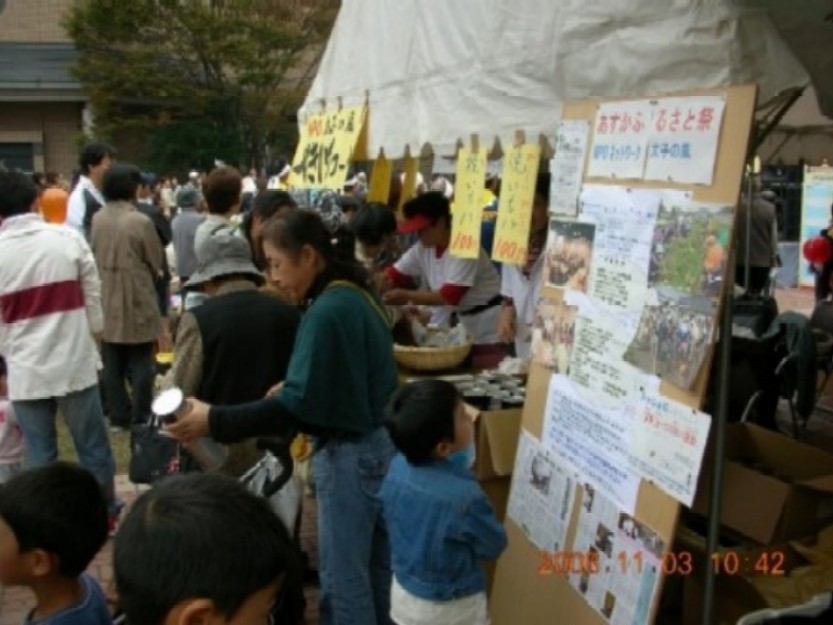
point(434, 73)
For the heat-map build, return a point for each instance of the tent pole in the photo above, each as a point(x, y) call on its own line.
point(719, 429)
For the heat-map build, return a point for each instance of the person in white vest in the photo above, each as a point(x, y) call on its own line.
point(521, 284)
point(467, 288)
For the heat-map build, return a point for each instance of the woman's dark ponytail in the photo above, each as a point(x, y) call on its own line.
point(304, 227)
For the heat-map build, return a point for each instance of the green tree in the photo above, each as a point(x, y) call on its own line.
point(199, 79)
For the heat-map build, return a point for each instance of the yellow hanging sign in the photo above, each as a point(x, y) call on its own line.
point(409, 183)
point(326, 147)
point(380, 180)
point(468, 203)
point(517, 192)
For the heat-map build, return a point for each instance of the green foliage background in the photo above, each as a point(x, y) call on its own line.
point(188, 81)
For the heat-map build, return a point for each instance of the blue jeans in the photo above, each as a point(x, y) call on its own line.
point(354, 567)
point(85, 419)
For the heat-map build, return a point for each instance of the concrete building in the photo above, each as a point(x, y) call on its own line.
point(42, 106)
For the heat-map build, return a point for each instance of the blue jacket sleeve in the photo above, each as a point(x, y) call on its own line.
point(481, 529)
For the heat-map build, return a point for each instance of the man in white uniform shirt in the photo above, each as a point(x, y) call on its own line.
point(468, 288)
point(86, 199)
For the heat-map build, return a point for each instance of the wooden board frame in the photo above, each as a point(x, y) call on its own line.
point(520, 595)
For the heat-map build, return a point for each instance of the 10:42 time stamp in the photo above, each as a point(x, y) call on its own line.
point(672, 563)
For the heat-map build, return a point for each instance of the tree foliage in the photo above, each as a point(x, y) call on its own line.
point(199, 79)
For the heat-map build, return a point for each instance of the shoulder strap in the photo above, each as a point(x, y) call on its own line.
point(370, 299)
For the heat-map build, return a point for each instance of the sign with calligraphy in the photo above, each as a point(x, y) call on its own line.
point(682, 139)
point(520, 170)
point(468, 203)
point(326, 147)
point(620, 140)
point(666, 444)
point(379, 190)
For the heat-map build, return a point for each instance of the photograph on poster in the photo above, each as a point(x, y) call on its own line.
point(626, 555)
point(553, 335)
point(673, 337)
point(569, 254)
point(541, 496)
point(689, 248)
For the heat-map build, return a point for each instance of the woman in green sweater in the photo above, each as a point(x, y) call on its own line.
point(340, 378)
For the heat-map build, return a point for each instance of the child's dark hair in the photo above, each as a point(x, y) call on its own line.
point(59, 508)
point(196, 536)
point(270, 202)
point(420, 416)
point(372, 223)
point(304, 227)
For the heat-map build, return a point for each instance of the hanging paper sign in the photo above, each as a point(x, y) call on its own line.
point(326, 148)
point(409, 183)
point(520, 169)
point(567, 166)
point(683, 138)
point(380, 180)
point(468, 203)
point(620, 140)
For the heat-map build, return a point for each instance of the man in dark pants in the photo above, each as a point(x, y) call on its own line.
point(129, 259)
point(763, 242)
point(146, 206)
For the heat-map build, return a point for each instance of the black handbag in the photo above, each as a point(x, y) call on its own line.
point(152, 454)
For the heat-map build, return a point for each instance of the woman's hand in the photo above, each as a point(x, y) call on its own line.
point(192, 425)
point(274, 390)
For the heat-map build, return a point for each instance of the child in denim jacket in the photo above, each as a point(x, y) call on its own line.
point(440, 522)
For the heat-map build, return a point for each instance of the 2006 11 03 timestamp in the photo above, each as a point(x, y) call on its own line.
point(671, 563)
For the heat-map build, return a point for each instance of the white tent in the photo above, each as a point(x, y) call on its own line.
point(435, 72)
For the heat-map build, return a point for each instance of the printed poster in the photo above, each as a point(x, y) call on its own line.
point(592, 438)
point(816, 199)
point(468, 203)
point(689, 256)
point(620, 140)
point(623, 560)
point(569, 254)
point(326, 147)
point(541, 496)
point(567, 166)
point(514, 215)
point(683, 137)
point(624, 220)
point(553, 335)
point(667, 443)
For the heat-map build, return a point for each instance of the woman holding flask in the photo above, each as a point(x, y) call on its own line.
point(340, 378)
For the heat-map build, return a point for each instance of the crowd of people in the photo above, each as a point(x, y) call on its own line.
point(280, 320)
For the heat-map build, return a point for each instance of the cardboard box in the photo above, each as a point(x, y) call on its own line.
point(496, 435)
point(496, 439)
point(735, 594)
point(774, 488)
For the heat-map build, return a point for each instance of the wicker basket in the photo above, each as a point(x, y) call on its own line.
point(431, 358)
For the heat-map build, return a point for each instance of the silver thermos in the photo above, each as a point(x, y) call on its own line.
point(208, 453)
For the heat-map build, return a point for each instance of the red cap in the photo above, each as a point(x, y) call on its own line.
point(414, 224)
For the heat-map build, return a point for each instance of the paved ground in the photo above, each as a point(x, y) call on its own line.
point(17, 602)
